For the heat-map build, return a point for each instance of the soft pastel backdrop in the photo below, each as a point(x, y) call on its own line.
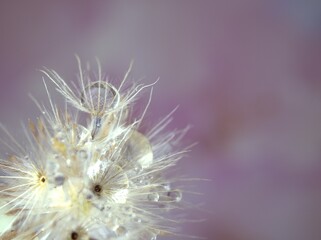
point(246, 74)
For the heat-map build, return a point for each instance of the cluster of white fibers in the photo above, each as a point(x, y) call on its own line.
point(102, 179)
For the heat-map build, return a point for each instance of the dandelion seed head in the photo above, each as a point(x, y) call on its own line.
point(100, 180)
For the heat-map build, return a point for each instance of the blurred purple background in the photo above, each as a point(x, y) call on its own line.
point(246, 74)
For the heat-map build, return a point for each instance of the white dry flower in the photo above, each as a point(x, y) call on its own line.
point(102, 179)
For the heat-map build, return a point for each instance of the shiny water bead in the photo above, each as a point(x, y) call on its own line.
point(175, 195)
point(154, 197)
point(138, 149)
point(134, 172)
point(121, 230)
point(88, 194)
point(61, 136)
point(141, 181)
point(102, 126)
point(165, 186)
point(99, 97)
point(53, 166)
point(153, 237)
point(99, 231)
point(96, 126)
point(59, 179)
point(82, 155)
point(138, 168)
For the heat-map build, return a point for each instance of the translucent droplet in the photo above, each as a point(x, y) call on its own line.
point(121, 230)
point(96, 125)
point(68, 162)
point(138, 149)
point(59, 179)
point(166, 186)
point(153, 237)
point(163, 188)
point(175, 195)
point(138, 168)
point(154, 197)
point(61, 136)
point(53, 166)
point(82, 155)
point(141, 181)
point(99, 97)
point(87, 193)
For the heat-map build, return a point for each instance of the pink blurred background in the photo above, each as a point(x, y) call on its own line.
point(246, 74)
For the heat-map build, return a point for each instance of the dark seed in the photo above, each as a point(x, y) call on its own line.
point(97, 188)
point(74, 235)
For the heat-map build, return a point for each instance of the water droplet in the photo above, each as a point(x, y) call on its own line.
point(88, 194)
point(83, 155)
point(154, 197)
point(96, 126)
point(99, 97)
point(166, 186)
point(153, 237)
point(138, 150)
point(68, 162)
point(138, 168)
point(59, 179)
point(60, 136)
point(175, 195)
point(141, 181)
point(53, 166)
point(121, 230)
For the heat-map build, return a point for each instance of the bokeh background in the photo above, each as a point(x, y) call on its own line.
point(245, 73)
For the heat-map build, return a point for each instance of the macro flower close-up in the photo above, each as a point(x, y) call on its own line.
point(172, 120)
point(87, 172)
